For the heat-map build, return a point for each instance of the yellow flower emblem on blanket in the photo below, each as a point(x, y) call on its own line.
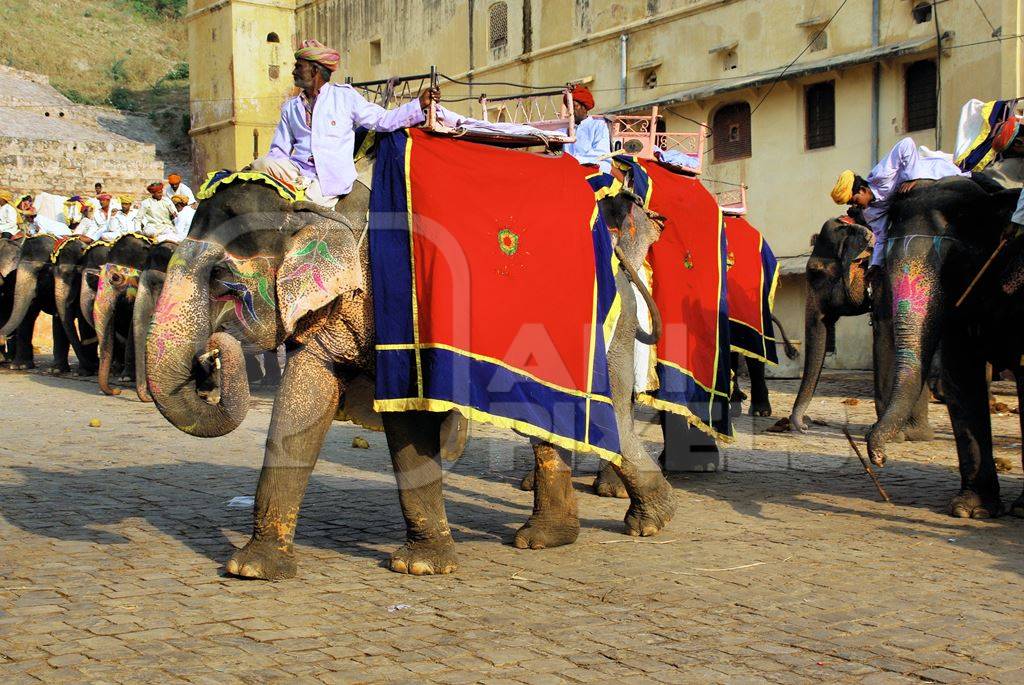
point(508, 241)
point(688, 261)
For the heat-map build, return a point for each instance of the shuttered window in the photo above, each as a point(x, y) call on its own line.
point(820, 103)
point(922, 109)
point(730, 131)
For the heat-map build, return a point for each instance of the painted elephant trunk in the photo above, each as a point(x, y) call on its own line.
point(24, 292)
point(103, 316)
point(180, 343)
point(149, 290)
point(816, 339)
point(916, 297)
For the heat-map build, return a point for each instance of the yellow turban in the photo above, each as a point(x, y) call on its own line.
point(183, 199)
point(125, 200)
point(843, 191)
point(6, 196)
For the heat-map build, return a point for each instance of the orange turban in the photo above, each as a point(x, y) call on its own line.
point(315, 51)
point(582, 95)
point(174, 179)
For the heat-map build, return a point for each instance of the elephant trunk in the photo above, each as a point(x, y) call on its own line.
point(149, 290)
point(816, 338)
point(67, 311)
point(180, 344)
point(103, 315)
point(916, 298)
point(24, 293)
point(87, 299)
point(642, 336)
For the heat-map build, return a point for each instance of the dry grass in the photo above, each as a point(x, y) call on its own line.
point(90, 47)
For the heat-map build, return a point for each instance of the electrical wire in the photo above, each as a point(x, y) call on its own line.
point(987, 21)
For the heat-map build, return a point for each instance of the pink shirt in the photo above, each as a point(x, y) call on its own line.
point(325, 152)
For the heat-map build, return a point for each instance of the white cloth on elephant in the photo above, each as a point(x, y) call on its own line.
point(642, 352)
point(51, 226)
point(287, 171)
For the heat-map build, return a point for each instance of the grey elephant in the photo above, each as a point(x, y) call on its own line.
point(241, 242)
point(73, 262)
point(837, 287)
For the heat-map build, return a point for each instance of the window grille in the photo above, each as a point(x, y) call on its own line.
point(820, 104)
point(922, 104)
point(730, 131)
point(498, 26)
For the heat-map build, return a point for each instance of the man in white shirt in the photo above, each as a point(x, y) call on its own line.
point(122, 220)
point(8, 215)
point(313, 145)
point(593, 140)
point(177, 187)
point(102, 215)
point(157, 212)
point(184, 219)
point(88, 226)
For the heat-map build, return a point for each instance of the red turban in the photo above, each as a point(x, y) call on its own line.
point(315, 51)
point(154, 186)
point(583, 96)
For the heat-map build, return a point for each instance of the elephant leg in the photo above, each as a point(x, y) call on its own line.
point(555, 519)
point(607, 482)
point(89, 362)
point(61, 348)
point(414, 441)
point(967, 399)
point(271, 370)
point(128, 372)
point(737, 396)
point(760, 404)
point(303, 411)
point(1018, 506)
point(252, 368)
point(24, 355)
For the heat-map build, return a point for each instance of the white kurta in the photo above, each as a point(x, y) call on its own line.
point(182, 189)
point(157, 216)
point(8, 219)
point(593, 142)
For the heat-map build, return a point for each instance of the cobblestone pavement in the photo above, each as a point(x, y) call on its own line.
point(784, 568)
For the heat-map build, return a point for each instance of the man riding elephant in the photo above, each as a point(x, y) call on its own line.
point(314, 142)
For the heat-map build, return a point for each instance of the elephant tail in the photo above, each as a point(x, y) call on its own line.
point(656, 326)
point(787, 346)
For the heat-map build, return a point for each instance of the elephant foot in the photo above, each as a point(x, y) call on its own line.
point(1017, 508)
point(918, 433)
point(876, 455)
point(263, 560)
point(542, 532)
point(970, 505)
point(527, 482)
point(58, 370)
point(608, 484)
point(23, 366)
point(86, 371)
point(761, 408)
point(425, 558)
point(651, 511)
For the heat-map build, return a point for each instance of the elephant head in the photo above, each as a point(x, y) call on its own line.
point(116, 289)
point(836, 286)
point(939, 237)
point(33, 272)
point(279, 267)
point(68, 265)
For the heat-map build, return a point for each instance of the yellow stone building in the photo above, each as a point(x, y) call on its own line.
point(790, 92)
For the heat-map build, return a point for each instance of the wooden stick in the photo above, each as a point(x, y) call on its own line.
point(981, 273)
point(867, 466)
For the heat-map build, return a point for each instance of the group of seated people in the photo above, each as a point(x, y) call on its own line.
point(160, 216)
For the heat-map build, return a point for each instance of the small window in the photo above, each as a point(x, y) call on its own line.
point(922, 104)
point(273, 38)
point(729, 60)
point(375, 52)
point(498, 26)
point(730, 131)
point(650, 78)
point(922, 12)
point(820, 104)
point(820, 42)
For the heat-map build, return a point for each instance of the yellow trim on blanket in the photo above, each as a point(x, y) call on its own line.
point(752, 355)
point(209, 187)
point(680, 410)
point(412, 265)
point(983, 134)
point(690, 375)
point(473, 414)
point(491, 360)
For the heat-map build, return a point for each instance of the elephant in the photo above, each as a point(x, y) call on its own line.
point(760, 403)
point(115, 300)
point(836, 287)
point(9, 250)
point(73, 257)
point(246, 241)
point(941, 235)
point(33, 295)
point(151, 283)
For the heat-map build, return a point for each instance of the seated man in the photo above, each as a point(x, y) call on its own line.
point(178, 188)
point(593, 141)
point(185, 213)
point(895, 173)
point(157, 213)
point(313, 143)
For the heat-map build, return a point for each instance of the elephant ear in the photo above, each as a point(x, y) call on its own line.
point(321, 263)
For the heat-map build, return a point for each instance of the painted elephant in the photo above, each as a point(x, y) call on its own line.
point(249, 243)
point(940, 236)
point(72, 259)
point(836, 287)
point(115, 299)
point(151, 283)
point(33, 295)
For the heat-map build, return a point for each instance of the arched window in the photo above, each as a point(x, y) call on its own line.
point(497, 27)
point(273, 38)
point(730, 132)
point(922, 104)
